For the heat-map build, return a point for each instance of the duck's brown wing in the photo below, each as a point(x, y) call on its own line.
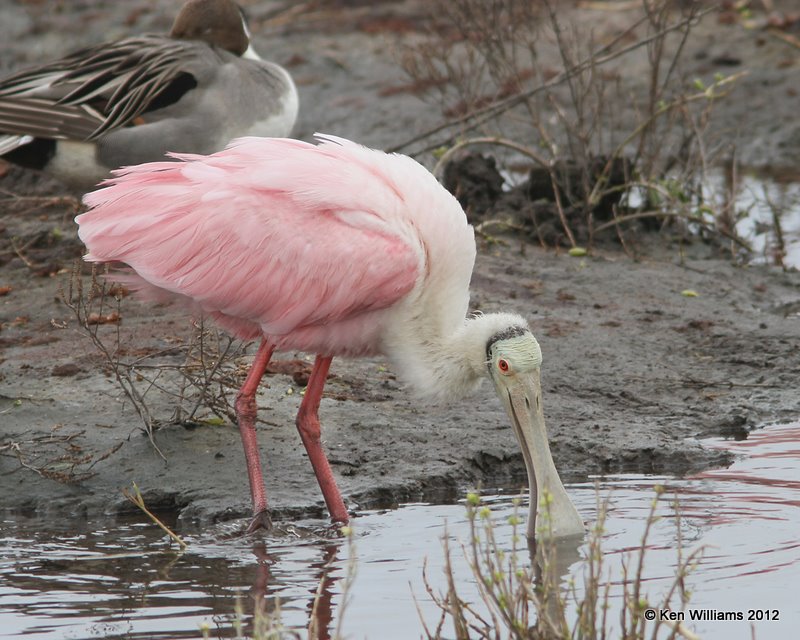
point(101, 88)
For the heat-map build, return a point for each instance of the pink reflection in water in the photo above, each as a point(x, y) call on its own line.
point(763, 486)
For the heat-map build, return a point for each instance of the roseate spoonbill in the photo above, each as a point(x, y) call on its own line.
point(333, 249)
point(131, 101)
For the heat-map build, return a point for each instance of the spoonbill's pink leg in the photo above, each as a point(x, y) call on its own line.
point(308, 426)
point(246, 414)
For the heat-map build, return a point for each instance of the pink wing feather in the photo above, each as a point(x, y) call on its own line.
point(270, 235)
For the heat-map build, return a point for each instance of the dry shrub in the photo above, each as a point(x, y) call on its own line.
point(196, 377)
point(524, 77)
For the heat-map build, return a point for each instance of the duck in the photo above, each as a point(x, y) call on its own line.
point(134, 100)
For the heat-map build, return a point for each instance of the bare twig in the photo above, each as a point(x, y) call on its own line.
point(488, 140)
point(19, 250)
point(596, 58)
point(676, 215)
point(786, 37)
point(136, 498)
point(57, 456)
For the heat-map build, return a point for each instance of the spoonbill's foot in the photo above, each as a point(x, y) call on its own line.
point(343, 522)
point(335, 527)
point(262, 520)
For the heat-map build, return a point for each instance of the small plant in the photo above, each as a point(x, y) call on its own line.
point(524, 599)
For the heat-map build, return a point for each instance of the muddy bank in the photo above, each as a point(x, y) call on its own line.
point(633, 372)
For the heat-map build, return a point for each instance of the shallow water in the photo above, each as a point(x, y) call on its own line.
point(762, 197)
point(79, 579)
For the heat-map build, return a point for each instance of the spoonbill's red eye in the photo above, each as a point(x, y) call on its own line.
point(503, 365)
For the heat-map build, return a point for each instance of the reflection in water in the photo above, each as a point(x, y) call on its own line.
point(320, 609)
point(770, 204)
point(320, 603)
point(126, 580)
point(745, 517)
point(122, 579)
point(551, 565)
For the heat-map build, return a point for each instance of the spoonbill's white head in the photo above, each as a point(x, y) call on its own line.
point(450, 367)
point(514, 360)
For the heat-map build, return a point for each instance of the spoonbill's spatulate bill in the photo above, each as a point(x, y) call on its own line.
point(333, 249)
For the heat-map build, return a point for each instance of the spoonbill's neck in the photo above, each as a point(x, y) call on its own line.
point(448, 364)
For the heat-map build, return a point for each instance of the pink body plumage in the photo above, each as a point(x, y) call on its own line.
point(307, 245)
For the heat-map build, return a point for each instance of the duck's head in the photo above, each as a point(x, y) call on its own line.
point(220, 23)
